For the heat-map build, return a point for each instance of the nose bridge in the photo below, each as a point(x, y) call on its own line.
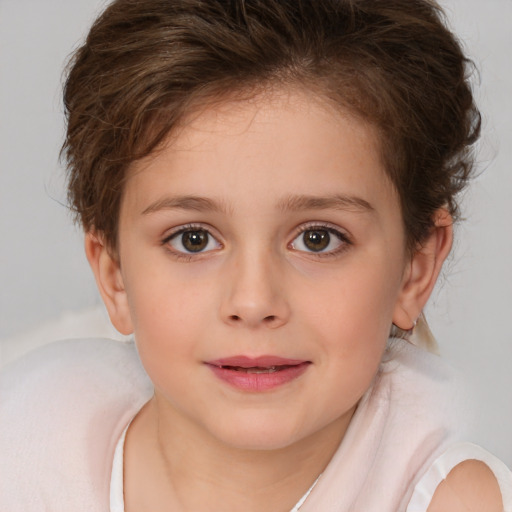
point(254, 291)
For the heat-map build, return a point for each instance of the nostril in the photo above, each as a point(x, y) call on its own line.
point(269, 320)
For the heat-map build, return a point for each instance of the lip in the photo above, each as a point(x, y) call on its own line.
point(251, 362)
point(257, 374)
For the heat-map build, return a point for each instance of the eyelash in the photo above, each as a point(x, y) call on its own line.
point(343, 238)
point(187, 256)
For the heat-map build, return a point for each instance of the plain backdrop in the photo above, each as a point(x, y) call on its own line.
point(43, 271)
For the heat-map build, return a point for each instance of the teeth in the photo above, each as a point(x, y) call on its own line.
point(255, 369)
point(271, 369)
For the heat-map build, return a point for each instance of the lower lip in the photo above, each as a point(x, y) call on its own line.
point(257, 382)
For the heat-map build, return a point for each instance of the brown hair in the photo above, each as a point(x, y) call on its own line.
point(146, 63)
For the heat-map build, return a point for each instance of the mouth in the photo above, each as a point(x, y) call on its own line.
point(255, 369)
point(258, 374)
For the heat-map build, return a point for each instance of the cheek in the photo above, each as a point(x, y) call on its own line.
point(165, 308)
point(356, 300)
point(166, 333)
point(164, 294)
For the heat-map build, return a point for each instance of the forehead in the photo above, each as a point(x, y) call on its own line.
point(287, 142)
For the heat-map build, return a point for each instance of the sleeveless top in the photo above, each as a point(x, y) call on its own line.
point(64, 407)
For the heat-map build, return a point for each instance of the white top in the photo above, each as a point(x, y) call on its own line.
point(63, 410)
point(439, 470)
point(422, 495)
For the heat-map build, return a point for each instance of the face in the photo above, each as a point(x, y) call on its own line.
point(262, 259)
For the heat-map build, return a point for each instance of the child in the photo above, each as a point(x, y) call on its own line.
point(267, 189)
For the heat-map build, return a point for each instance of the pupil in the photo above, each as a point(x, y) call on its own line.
point(316, 240)
point(195, 241)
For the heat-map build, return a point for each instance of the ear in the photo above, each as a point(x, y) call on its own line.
point(107, 271)
point(422, 271)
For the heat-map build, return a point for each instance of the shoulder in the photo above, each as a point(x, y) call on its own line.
point(464, 478)
point(426, 393)
point(62, 407)
point(80, 361)
point(67, 379)
point(431, 411)
point(408, 361)
point(470, 486)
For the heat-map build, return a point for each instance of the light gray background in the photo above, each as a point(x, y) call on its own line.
point(43, 272)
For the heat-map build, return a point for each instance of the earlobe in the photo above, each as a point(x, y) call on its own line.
point(423, 270)
point(109, 280)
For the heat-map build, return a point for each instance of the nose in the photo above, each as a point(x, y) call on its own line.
point(254, 293)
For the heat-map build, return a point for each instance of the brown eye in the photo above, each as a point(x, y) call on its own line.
point(193, 240)
point(321, 240)
point(316, 240)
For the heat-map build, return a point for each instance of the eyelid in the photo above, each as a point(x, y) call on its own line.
point(193, 226)
point(183, 229)
point(328, 226)
point(344, 238)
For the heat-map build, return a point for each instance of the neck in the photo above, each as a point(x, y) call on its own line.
point(192, 470)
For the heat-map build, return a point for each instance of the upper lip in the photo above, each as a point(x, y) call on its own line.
point(265, 361)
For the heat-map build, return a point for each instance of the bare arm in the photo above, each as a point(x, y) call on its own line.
point(469, 487)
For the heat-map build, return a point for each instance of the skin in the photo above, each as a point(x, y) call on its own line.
point(256, 170)
point(469, 487)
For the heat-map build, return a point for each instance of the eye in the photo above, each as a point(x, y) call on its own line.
point(192, 240)
point(319, 239)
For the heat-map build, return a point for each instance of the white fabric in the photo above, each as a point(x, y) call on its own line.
point(64, 407)
point(62, 410)
point(91, 322)
point(116, 479)
point(442, 466)
point(301, 502)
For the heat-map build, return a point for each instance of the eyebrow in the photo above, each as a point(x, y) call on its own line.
point(195, 203)
point(334, 202)
point(292, 203)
